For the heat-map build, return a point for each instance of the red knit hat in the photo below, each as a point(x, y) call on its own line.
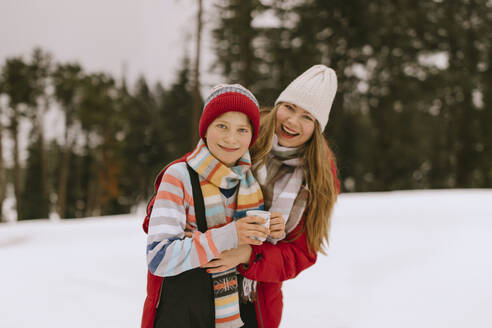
point(230, 98)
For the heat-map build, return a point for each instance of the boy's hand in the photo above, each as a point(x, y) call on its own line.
point(277, 225)
point(248, 227)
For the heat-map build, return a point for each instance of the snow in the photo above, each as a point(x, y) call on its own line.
point(396, 259)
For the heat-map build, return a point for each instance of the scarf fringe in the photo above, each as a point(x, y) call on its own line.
point(248, 290)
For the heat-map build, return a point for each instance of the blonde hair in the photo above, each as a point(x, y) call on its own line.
point(317, 173)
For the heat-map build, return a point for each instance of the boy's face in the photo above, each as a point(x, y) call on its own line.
point(228, 137)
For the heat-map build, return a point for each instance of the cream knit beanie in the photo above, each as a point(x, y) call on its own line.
point(314, 90)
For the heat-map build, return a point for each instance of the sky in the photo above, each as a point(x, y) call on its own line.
point(134, 37)
point(396, 259)
point(121, 37)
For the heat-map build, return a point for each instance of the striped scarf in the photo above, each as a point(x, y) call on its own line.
point(281, 180)
point(214, 175)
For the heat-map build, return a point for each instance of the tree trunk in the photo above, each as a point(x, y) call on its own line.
point(93, 190)
point(62, 185)
point(17, 171)
point(196, 80)
point(466, 156)
point(42, 149)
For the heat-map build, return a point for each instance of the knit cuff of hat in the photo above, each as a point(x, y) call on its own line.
point(230, 102)
point(314, 91)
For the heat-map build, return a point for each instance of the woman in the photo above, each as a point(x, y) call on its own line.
point(297, 173)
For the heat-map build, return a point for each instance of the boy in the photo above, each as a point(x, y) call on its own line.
point(189, 296)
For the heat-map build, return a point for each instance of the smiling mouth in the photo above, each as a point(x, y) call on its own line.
point(228, 149)
point(288, 131)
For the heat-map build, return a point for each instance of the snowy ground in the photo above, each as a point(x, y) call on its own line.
point(399, 259)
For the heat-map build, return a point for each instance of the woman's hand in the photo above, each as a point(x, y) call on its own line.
point(229, 259)
point(250, 226)
point(277, 226)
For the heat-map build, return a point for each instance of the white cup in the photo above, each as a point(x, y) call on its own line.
point(262, 214)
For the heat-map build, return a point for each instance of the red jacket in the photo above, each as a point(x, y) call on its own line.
point(270, 265)
point(154, 283)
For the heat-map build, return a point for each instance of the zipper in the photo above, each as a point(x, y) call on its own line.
point(212, 304)
point(160, 294)
point(258, 304)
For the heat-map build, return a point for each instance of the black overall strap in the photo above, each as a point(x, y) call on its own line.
point(187, 299)
point(201, 221)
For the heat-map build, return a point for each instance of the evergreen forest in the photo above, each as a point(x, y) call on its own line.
point(413, 108)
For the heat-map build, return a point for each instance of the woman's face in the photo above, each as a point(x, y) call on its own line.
point(295, 126)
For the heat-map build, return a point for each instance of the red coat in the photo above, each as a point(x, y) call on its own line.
point(154, 283)
point(270, 265)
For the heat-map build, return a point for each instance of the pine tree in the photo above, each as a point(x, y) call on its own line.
point(197, 98)
point(67, 81)
point(485, 117)
point(34, 198)
point(155, 131)
point(17, 85)
point(37, 206)
point(101, 119)
point(175, 110)
point(140, 142)
point(235, 38)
